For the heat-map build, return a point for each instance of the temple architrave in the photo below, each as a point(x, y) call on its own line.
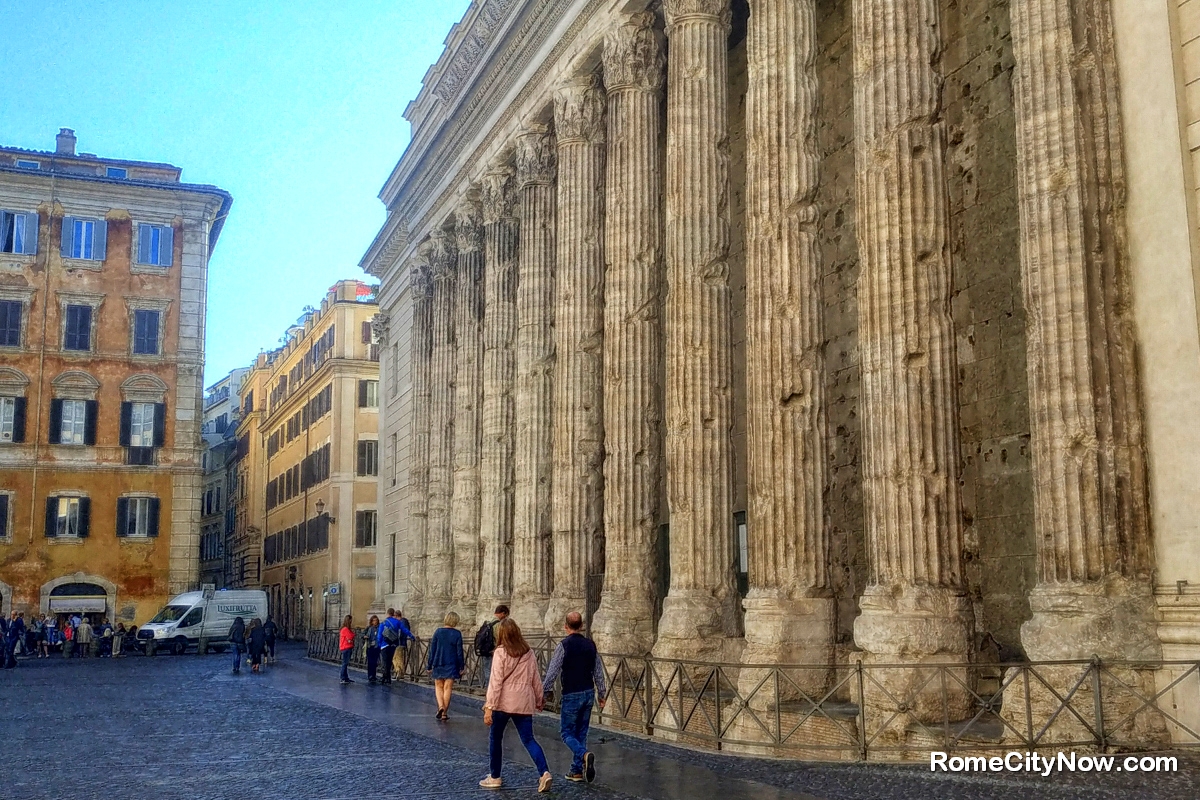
point(795, 331)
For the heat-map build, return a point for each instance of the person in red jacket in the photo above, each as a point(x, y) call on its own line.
point(346, 645)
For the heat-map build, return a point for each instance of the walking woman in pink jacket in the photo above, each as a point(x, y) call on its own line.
point(514, 693)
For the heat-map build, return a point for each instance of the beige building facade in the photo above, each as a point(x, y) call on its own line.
point(776, 331)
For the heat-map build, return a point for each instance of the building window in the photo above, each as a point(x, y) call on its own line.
point(77, 333)
point(18, 232)
point(364, 528)
point(155, 245)
point(145, 332)
point(12, 420)
point(116, 172)
point(84, 238)
point(10, 323)
point(368, 457)
point(143, 424)
point(73, 421)
point(137, 517)
point(67, 517)
point(26, 164)
point(368, 394)
point(6, 505)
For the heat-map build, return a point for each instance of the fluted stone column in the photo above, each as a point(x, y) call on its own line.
point(499, 375)
point(633, 73)
point(468, 402)
point(699, 616)
point(533, 553)
point(419, 364)
point(439, 551)
point(1094, 594)
point(914, 607)
point(579, 328)
point(789, 608)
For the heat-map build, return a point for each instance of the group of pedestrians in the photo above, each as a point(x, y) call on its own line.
point(258, 640)
point(515, 688)
point(74, 635)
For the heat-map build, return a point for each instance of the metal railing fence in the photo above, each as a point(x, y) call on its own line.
point(877, 711)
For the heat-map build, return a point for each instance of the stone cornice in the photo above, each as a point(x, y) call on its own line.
point(579, 108)
point(386, 248)
point(634, 55)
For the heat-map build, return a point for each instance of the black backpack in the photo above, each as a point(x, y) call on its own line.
point(485, 639)
point(391, 634)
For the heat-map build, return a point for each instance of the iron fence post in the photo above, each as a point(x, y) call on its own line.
point(1101, 736)
point(647, 714)
point(862, 712)
point(717, 684)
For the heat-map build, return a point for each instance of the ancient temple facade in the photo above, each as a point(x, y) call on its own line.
point(785, 331)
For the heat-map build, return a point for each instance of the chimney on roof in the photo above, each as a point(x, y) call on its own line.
point(65, 142)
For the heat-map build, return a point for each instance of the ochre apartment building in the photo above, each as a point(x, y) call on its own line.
point(103, 274)
point(309, 449)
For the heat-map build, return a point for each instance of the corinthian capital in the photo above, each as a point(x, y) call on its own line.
point(468, 226)
point(536, 159)
point(678, 11)
point(579, 110)
point(499, 195)
point(441, 254)
point(633, 55)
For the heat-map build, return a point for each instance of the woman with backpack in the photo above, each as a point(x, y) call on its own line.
point(346, 647)
point(514, 693)
point(445, 662)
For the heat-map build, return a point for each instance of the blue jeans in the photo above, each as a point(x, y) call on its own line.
point(238, 650)
point(524, 725)
point(575, 720)
point(346, 663)
point(485, 663)
point(372, 662)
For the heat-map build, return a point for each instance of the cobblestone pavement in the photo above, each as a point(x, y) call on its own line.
point(184, 727)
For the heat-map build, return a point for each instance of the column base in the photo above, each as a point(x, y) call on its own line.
point(529, 612)
point(433, 614)
point(1113, 618)
point(623, 628)
point(912, 627)
point(696, 626)
point(558, 608)
point(788, 631)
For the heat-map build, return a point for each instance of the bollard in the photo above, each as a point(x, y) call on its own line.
point(202, 648)
point(68, 647)
point(150, 648)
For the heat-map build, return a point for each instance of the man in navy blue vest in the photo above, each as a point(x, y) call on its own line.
point(575, 659)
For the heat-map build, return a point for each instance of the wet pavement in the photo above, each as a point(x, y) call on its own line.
point(184, 727)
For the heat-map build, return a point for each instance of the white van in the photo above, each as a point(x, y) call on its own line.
point(207, 615)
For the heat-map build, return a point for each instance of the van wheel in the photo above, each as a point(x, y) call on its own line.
point(179, 646)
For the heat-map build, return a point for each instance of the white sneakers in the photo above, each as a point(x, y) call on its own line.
point(495, 783)
point(544, 782)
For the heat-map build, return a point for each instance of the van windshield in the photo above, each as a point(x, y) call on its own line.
point(170, 614)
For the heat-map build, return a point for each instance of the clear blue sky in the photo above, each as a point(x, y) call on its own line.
point(295, 108)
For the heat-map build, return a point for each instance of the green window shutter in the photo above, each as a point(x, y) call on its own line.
point(85, 516)
point(18, 420)
point(154, 513)
point(89, 424)
point(166, 247)
point(51, 517)
point(100, 244)
point(68, 237)
point(122, 517)
point(31, 233)
point(55, 421)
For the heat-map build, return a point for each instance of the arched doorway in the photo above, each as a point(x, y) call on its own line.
point(82, 594)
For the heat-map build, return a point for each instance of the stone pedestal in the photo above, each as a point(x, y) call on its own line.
point(439, 550)
point(700, 610)
point(578, 448)
point(532, 540)
point(499, 373)
point(633, 73)
point(790, 609)
point(914, 608)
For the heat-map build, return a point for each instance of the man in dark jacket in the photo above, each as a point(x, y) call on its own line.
point(237, 638)
point(576, 660)
point(270, 630)
point(393, 633)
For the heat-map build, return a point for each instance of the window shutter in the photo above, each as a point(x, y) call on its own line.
point(99, 245)
point(362, 461)
point(144, 239)
point(126, 424)
point(3, 516)
point(366, 332)
point(4, 216)
point(55, 421)
point(31, 233)
point(89, 424)
point(362, 394)
point(18, 420)
point(85, 516)
point(51, 517)
point(166, 246)
point(160, 424)
point(122, 516)
point(154, 511)
point(68, 233)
